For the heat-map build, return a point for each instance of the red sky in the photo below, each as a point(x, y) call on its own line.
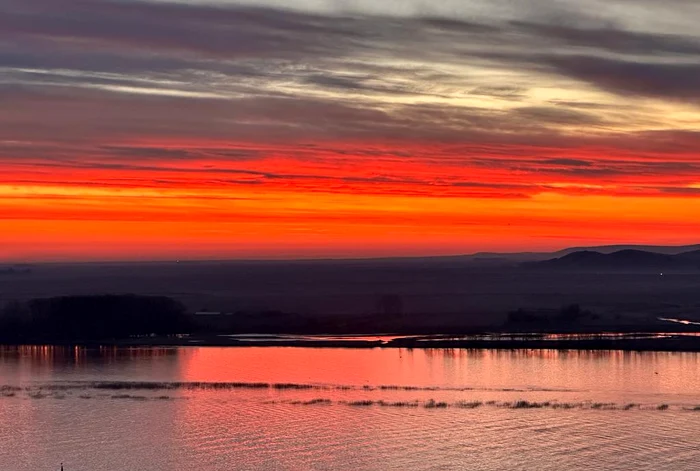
point(151, 130)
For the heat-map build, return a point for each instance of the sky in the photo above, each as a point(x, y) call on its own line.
point(157, 129)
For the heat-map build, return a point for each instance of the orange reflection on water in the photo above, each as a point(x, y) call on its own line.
point(450, 375)
point(488, 369)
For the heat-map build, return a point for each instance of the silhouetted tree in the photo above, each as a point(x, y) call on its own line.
point(76, 318)
point(14, 319)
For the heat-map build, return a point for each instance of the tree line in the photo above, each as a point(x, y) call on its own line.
point(99, 317)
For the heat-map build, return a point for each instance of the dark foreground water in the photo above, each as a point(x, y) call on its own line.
point(376, 409)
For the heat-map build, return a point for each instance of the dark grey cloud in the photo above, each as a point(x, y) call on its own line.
point(156, 152)
point(559, 115)
point(79, 78)
point(256, 45)
point(651, 79)
point(231, 32)
point(457, 25)
point(612, 39)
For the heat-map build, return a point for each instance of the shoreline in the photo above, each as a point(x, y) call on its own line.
point(671, 342)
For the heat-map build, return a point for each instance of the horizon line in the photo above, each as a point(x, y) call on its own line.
point(334, 259)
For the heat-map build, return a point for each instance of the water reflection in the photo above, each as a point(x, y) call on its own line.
point(63, 354)
point(562, 369)
point(302, 408)
point(47, 362)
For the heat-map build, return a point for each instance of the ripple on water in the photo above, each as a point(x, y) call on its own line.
point(262, 409)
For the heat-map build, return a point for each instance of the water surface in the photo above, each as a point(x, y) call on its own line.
point(281, 408)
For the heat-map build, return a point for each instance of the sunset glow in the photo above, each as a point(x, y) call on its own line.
point(159, 130)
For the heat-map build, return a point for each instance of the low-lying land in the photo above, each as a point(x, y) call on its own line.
point(671, 342)
point(130, 320)
point(454, 300)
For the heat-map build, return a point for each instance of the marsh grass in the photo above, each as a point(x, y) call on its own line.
point(566, 405)
point(314, 402)
point(603, 406)
point(129, 396)
point(525, 405)
point(468, 405)
point(399, 404)
point(432, 404)
point(364, 403)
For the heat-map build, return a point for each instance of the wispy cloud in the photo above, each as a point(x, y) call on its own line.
point(481, 99)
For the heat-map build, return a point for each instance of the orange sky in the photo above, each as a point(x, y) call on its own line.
point(314, 132)
point(190, 219)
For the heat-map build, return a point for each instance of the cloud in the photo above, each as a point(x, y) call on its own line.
point(652, 79)
point(611, 39)
point(559, 115)
point(568, 162)
point(423, 98)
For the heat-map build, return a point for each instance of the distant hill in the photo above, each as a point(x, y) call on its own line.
point(627, 259)
point(609, 249)
point(486, 259)
point(520, 257)
point(15, 270)
point(510, 257)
